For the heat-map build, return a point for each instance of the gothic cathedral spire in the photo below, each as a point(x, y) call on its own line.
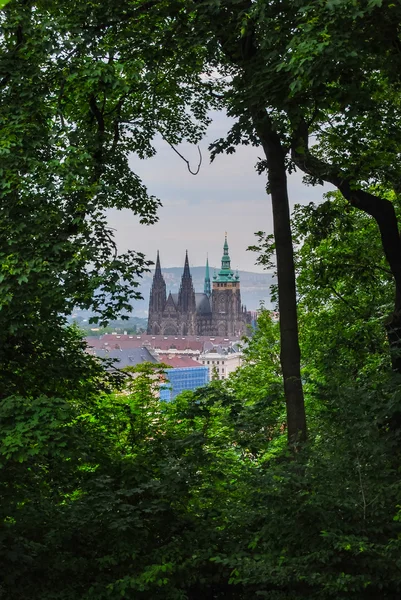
point(206, 288)
point(158, 271)
point(186, 295)
point(186, 274)
point(157, 300)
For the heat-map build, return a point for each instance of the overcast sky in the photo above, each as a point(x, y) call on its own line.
point(227, 195)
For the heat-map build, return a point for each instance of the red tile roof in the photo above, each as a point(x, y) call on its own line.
point(178, 362)
point(159, 342)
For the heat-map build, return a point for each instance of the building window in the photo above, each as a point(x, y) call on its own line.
point(208, 362)
point(222, 362)
point(222, 369)
point(217, 362)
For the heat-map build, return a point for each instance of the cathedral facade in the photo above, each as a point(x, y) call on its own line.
point(217, 311)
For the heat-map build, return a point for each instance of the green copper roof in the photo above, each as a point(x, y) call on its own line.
point(225, 274)
point(206, 288)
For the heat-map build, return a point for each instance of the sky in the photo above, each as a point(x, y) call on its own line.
point(227, 195)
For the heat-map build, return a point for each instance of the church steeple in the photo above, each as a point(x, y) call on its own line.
point(225, 247)
point(158, 271)
point(186, 295)
point(186, 272)
point(206, 288)
point(157, 300)
point(225, 273)
point(225, 261)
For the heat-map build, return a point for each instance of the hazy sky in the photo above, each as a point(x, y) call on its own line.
point(227, 195)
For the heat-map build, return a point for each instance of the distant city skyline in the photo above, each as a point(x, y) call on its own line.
point(226, 195)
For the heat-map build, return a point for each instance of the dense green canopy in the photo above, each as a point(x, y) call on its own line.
point(105, 491)
point(77, 97)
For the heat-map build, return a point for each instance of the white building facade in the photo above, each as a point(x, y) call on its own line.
point(220, 365)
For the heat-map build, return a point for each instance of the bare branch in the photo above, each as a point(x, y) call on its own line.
point(184, 159)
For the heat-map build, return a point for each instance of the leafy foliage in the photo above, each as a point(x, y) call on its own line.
point(77, 96)
point(125, 496)
point(105, 491)
point(345, 288)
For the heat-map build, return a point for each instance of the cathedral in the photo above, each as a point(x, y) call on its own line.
point(217, 311)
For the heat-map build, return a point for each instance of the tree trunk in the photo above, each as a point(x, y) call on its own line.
point(290, 356)
point(383, 212)
point(380, 209)
point(241, 51)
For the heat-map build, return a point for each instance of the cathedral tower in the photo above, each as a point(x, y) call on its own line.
point(226, 298)
point(186, 295)
point(157, 300)
point(186, 301)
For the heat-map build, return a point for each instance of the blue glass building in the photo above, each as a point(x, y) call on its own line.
point(185, 378)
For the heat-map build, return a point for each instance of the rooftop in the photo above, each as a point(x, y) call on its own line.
point(179, 362)
point(125, 358)
point(159, 342)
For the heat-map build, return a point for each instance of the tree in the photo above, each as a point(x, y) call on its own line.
point(328, 70)
point(77, 96)
point(117, 75)
point(119, 495)
point(345, 60)
point(345, 290)
point(236, 50)
point(116, 498)
point(257, 387)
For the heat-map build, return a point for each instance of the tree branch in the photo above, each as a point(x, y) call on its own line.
point(380, 209)
point(97, 113)
point(184, 159)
